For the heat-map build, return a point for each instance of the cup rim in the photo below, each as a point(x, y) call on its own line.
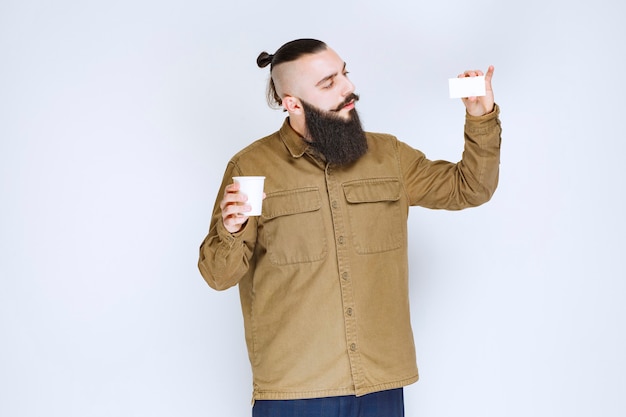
point(249, 177)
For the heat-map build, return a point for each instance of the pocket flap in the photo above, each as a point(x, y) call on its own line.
point(284, 203)
point(372, 190)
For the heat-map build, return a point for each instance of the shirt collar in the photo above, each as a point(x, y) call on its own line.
point(296, 145)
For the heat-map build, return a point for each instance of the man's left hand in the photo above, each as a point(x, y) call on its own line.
point(478, 106)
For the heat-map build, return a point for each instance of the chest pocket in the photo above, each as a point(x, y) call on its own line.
point(375, 214)
point(293, 226)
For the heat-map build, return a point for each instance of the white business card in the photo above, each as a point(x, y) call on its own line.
point(467, 87)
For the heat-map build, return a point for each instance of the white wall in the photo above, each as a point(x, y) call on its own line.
point(116, 122)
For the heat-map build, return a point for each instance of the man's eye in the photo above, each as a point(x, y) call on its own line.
point(329, 85)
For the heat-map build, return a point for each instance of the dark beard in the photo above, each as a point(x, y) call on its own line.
point(339, 141)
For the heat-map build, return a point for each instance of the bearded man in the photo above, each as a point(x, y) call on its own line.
point(323, 272)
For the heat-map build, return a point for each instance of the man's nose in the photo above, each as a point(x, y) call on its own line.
point(347, 88)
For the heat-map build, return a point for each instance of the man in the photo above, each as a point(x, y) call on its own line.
point(323, 272)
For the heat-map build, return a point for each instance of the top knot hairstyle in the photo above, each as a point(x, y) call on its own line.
point(286, 53)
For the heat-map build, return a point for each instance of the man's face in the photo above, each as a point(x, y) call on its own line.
point(321, 80)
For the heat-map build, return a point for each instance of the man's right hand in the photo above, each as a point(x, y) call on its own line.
point(234, 208)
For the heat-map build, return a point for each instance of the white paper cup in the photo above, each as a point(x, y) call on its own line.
point(253, 188)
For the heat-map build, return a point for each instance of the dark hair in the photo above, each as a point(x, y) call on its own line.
point(286, 53)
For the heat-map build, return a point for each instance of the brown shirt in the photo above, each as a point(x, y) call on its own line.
point(323, 272)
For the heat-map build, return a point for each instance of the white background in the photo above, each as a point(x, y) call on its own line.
point(117, 119)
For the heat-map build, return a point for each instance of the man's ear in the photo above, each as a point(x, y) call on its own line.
point(292, 105)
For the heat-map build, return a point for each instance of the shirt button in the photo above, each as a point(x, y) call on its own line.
point(353, 347)
point(340, 240)
point(344, 276)
point(349, 311)
point(335, 205)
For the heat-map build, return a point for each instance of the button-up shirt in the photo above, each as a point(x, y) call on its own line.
point(323, 272)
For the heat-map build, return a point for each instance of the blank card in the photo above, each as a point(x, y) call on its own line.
point(467, 87)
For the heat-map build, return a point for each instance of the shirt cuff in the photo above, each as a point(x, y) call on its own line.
point(228, 238)
point(487, 116)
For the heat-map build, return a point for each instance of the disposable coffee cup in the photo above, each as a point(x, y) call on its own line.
point(253, 188)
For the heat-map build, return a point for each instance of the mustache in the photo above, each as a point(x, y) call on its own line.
point(347, 101)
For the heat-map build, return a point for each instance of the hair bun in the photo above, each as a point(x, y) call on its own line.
point(264, 59)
